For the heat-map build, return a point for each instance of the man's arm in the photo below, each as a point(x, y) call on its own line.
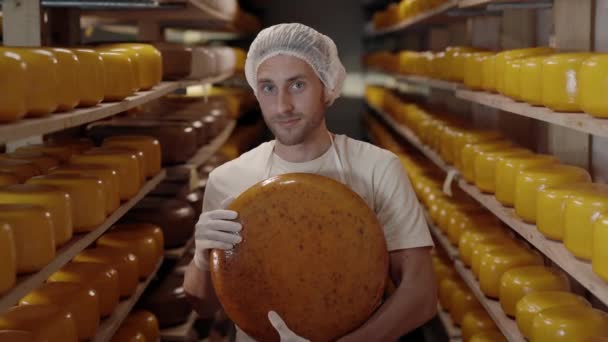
point(200, 291)
point(413, 303)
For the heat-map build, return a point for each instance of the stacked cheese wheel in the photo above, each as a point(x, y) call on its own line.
point(537, 296)
point(403, 10)
point(47, 80)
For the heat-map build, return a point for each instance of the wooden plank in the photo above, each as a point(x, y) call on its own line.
point(453, 332)
point(26, 284)
point(444, 242)
point(429, 82)
point(507, 326)
point(578, 269)
point(479, 3)
point(110, 325)
point(181, 332)
point(209, 150)
point(21, 23)
point(518, 27)
point(420, 18)
point(485, 32)
point(576, 121)
point(573, 25)
point(601, 26)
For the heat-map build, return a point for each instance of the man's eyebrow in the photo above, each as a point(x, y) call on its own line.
point(291, 79)
point(264, 80)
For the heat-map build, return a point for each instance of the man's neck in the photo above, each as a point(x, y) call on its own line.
point(312, 148)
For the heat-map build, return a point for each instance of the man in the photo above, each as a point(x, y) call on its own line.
point(296, 74)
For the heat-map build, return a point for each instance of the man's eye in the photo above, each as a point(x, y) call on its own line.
point(298, 85)
point(267, 88)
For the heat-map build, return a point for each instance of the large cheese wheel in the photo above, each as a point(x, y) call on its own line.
point(462, 222)
point(512, 79)
point(488, 336)
point(119, 76)
point(470, 151)
point(33, 235)
point(551, 208)
point(41, 160)
point(168, 302)
point(488, 78)
point(506, 173)
point(102, 278)
point(559, 91)
point(517, 282)
point(592, 78)
point(57, 201)
point(471, 137)
point(532, 303)
point(446, 288)
point(176, 60)
point(473, 70)
point(124, 262)
point(495, 263)
point(8, 178)
point(149, 63)
point(569, 323)
point(143, 246)
point(136, 66)
point(8, 258)
point(476, 321)
point(61, 153)
point(145, 322)
point(582, 209)
point(480, 248)
point(531, 80)
point(530, 181)
point(88, 198)
point(68, 68)
point(128, 151)
point(311, 302)
point(21, 169)
point(81, 301)
point(145, 229)
point(149, 145)
point(17, 336)
point(14, 88)
point(485, 166)
point(128, 333)
point(600, 252)
point(126, 165)
point(91, 77)
point(503, 57)
point(462, 300)
point(77, 146)
point(47, 322)
point(465, 244)
point(107, 174)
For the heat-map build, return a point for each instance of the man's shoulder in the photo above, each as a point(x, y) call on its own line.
point(365, 153)
point(248, 163)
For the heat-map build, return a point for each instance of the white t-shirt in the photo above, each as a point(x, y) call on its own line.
point(374, 173)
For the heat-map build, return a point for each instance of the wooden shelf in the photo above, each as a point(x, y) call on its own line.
point(181, 332)
point(179, 252)
point(556, 251)
point(576, 121)
point(507, 326)
point(404, 25)
point(26, 284)
point(449, 249)
point(209, 150)
point(480, 3)
point(31, 127)
point(108, 326)
point(429, 82)
point(407, 134)
point(453, 332)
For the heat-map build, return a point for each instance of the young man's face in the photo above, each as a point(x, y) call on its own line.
point(291, 97)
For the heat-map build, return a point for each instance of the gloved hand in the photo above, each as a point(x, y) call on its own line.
point(285, 334)
point(215, 230)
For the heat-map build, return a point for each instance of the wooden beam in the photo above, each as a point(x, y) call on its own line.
point(485, 32)
point(518, 29)
point(21, 22)
point(64, 26)
point(149, 31)
point(574, 23)
point(439, 39)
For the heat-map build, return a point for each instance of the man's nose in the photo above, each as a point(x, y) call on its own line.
point(285, 104)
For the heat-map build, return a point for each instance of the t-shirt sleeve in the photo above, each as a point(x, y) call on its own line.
point(212, 197)
point(398, 209)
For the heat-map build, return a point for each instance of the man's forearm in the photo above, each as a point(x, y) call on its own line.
point(200, 291)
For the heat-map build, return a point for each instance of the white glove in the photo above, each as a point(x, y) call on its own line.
point(214, 230)
point(285, 334)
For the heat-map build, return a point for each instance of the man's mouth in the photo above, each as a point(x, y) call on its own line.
point(289, 122)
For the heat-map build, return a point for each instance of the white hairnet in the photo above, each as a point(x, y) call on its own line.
point(302, 42)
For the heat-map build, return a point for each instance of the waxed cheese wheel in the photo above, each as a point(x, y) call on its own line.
point(8, 178)
point(8, 258)
point(124, 262)
point(47, 322)
point(168, 302)
point(146, 322)
point(17, 336)
point(61, 153)
point(316, 225)
point(149, 145)
point(22, 169)
point(42, 161)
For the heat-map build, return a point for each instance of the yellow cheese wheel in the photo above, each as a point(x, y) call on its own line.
point(80, 301)
point(150, 63)
point(476, 321)
point(144, 247)
point(68, 68)
point(488, 336)
point(108, 175)
point(147, 230)
point(119, 76)
point(520, 281)
point(78, 146)
point(33, 235)
point(102, 278)
point(473, 69)
point(529, 182)
point(582, 209)
point(446, 288)
point(551, 208)
point(462, 222)
point(468, 237)
point(137, 67)
point(145, 322)
point(149, 145)
point(61, 153)
point(509, 167)
point(470, 151)
point(531, 80)
point(88, 198)
point(8, 257)
point(495, 263)
point(8, 179)
point(471, 137)
point(47, 322)
point(569, 323)
point(560, 86)
point(593, 86)
point(462, 300)
point(600, 253)
point(512, 78)
point(447, 141)
point(14, 88)
point(17, 336)
point(126, 163)
point(124, 262)
point(128, 151)
point(450, 208)
point(22, 169)
point(485, 166)
point(443, 270)
point(480, 248)
point(57, 201)
point(488, 70)
point(42, 83)
point(532, 303)
point(128, 333)
point(503, 57)
point(41, 160)
point(91, 77)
